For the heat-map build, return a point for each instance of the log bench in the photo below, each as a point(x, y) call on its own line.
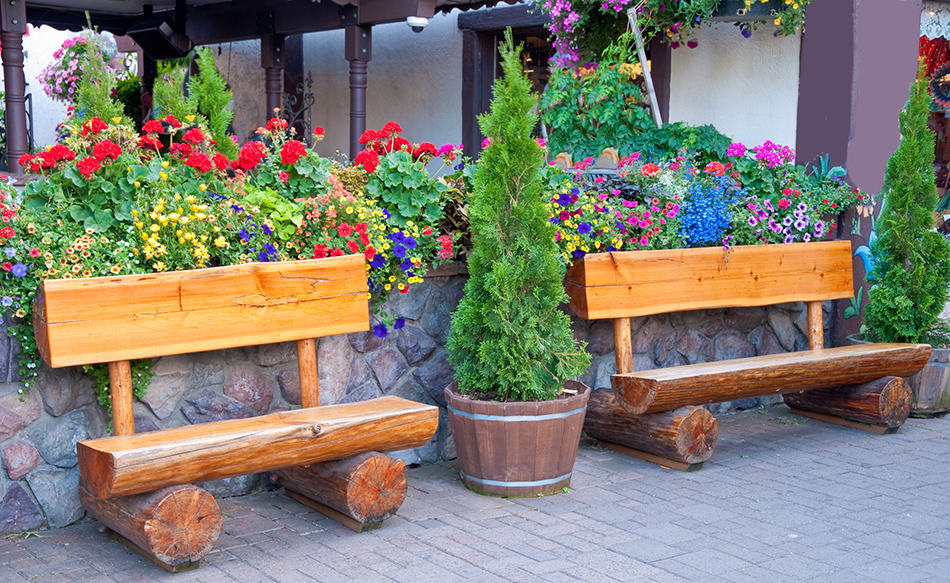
point(652, 413)
point(140, 485)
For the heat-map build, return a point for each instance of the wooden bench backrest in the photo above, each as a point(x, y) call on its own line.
point(106, 319)
point(642, 283)
point(625, 284)
point(117, 319)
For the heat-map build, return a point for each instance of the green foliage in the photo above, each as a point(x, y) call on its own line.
point(406, 189)
point(210, 96)
point(168, 95)
point(703, 143)
point(96, 87)
point(592, 109)
point(509, 340)
point(142, 374)
point(129, 94)
point(911, 267)
point(285, 215)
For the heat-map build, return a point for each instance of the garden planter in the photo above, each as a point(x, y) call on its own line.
point(600, 284)
point(930, 388)
point(518, 448)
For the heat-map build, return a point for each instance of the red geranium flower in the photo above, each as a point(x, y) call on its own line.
point(149, 142)
point(318, 131)
point(354, 246)
point(319, 251)
point(106, 149)
point(193, 136)
point(715, 168)
point(425, 148)
point(180, 149)
point(283, 176)
point(369, 136)
point(650, 169)
point(292, 151)
point(250, 156)
point(275, 123)
point(200, 162)
point(87, 166)
point(170, 120)
point(344, 229)
point(93, 126)
point(391, 128)
point(152, 126)
point(221, 161)
point(368, 159)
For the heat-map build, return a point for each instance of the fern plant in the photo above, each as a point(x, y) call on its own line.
point(208, 93)
point(911, 267)
point(509, 340)
point(169, 96)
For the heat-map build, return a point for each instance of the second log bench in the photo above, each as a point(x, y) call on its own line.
point(653, 412)
point(140, 484)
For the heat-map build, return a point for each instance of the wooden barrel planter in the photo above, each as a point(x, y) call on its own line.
point(519, 448)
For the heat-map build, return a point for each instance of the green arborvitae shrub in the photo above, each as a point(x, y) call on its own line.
point(169, 96)
point(96, 87)
point(208, 93)
point(509, 340)
point(911, 261)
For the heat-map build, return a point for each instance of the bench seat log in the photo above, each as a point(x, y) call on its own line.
point(664, 389)
point(882, 403)
point(360, 491)
point(683, 438)
point(124, 465)
point(174, 526)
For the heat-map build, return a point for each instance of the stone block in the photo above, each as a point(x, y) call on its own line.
point(207, 372)
point(27, 406)
point(435, 375)
point(410, 389)
point(251, 387)
point(414, 344)
point(166, 390)
point(19, 458)
point(18, 512)
point(289, 382)
point(745, 319)
point(210, 406)
point(388, 365)
point(601, 337)
point(275, 354)
point(665, 343)
point(643, 361)
point(178, 364)
point(359, 372)
point(765, 341)
point(692, 344)
point(410, 305)
point(604, 366)
point(645, 337)
point(333, 367)
point(729, 345)
point(364, 392)
point(234, 486)
point(10, 423)
point(365, 341)
point(145, 424)
point(56, 439)
point(64, 389)
point(56, 490)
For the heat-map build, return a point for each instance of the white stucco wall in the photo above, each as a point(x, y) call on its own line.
point(39, 47)
point(747, 88)
point(415, 79)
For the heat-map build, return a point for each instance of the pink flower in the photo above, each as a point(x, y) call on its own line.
point(283, 176)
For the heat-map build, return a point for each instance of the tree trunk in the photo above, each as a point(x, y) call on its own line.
point(686, 435)
point(883, 402)
point(174, 526)
point(365, 489)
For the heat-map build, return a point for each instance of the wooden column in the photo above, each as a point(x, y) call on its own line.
point(623, 345)
point(359, 52)
point(272, 59)
point(307, 366)
point(120, 381)
point(816, 326)
point(12, 29)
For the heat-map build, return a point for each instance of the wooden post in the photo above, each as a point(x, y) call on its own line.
point(307, 365)
point(359, 51)
point(120, 382)
point(12, 28)
point(816, 327)
point(623, 345)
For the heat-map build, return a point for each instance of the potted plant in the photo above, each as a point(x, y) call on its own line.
point(911, 261)
point(515, 419)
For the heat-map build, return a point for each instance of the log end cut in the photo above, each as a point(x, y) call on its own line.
point(377, 488)
point(635, 395)
point(698, 433)
point(895, 402)
point(184, 526)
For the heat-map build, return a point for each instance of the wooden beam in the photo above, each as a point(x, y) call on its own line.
point(120, 384)
point(382, 11)
point(498, 19)
point(664, 389)
point(478, 73)
point(125, 465)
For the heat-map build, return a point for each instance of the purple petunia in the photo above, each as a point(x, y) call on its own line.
point(380, 330)
point(584, 228)
point(399, 323)
point(6, 301)
point(19, 270)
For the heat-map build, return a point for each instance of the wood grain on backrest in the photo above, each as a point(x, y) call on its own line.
point(641, 283)
point(106, 319)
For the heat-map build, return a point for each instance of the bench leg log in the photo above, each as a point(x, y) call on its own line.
point(879, 406)
point(681, 439)
point(359, 492)
point(174, 527)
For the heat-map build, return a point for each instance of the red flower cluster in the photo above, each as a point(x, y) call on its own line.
point(47, 158)
point(368, 159)
point(87, 166)
point(424, 149)
point(180, 149)
point(7, 232)
point(199, 162)
point(94, 126)
point(345, 230)
point(193, 136)
point(650, 169)
point(170, 120)
point(292, 151)
point(153, 126)
point(385, 140)
point(220, 160)
point(715, 168)
point(106, 149)
point(250, 156)
point(150, 143)
point(445, 250)
point(276, 124)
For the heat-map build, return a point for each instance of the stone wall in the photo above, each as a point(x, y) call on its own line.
point(38, 431)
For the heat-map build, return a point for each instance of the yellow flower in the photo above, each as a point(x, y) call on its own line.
point(163, 175)
point(387, 287)
point(164, 163)
point(778, 21)
point(158, 266)
point(202, 187)
point(155, 228)
point(189, 118)
point(116, 119)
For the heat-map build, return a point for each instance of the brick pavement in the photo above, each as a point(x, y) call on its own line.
point(784, 499)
